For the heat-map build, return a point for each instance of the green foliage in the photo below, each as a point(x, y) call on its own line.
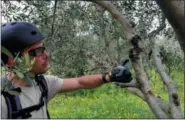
point(21, 68)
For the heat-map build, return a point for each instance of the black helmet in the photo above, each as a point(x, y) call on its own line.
point(16, 36)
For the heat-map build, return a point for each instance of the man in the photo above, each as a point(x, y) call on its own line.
point(24, 38)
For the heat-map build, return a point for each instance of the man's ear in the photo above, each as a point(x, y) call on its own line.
point(10, 62)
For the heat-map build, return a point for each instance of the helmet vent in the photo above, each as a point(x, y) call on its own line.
point(33, 32)
point(13, 23)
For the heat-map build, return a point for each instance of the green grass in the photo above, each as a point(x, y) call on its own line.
point(110, 101)
point(103, 106)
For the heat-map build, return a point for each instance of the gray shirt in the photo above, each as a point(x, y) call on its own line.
point(30, 96)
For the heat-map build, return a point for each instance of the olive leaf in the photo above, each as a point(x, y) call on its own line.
point(6, 52)
point(32, 61)
point(19, 74)
point(21, 68)
point(26, 60)
point(17, 56)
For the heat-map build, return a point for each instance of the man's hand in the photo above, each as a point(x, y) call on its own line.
point(118, 74)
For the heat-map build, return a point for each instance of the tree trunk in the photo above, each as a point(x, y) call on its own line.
point(174, 12)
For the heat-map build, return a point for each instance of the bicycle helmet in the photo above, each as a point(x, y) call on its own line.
point(16, 36)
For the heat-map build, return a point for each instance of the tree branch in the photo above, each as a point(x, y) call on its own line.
point(118, 16)
point(174, 12)
point(54, 12)
point(173, 96)
point(135, 57)
point(174, 109)
point(161, 27)
point(163, 105)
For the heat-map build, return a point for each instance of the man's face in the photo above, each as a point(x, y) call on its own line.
point(38, 51)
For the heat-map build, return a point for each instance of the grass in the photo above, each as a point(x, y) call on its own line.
point(110, 101)
point(102, 106)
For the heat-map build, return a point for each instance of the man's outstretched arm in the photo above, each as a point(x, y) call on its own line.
point(83, 82)
point(118, 74)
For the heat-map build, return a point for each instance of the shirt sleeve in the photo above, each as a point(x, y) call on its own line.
point(54, 85)
point(4, 110)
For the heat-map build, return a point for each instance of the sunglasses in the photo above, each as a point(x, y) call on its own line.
point(36, 52)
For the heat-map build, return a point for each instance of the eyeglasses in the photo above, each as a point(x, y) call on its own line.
point(36, 52)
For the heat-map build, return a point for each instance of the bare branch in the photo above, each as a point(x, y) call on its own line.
point(173, 96)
